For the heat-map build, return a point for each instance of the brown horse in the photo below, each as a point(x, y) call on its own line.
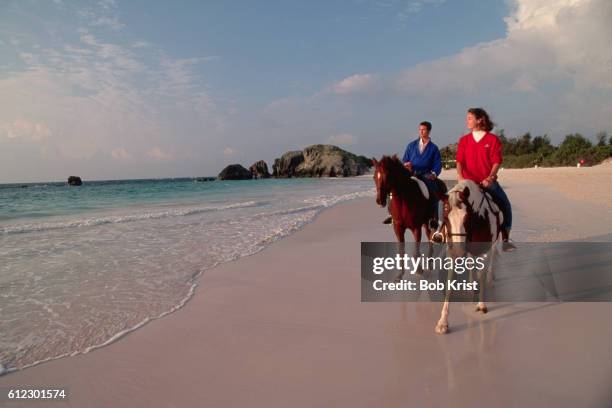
point(472, 224)
point(409, 204)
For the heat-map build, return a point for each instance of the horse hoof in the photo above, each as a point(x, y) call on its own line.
point(437, 237)
point(442, 328)
point(482, 309)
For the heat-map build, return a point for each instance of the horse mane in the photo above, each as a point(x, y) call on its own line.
point(395, 168)
point(454, 198)
point(474, 200)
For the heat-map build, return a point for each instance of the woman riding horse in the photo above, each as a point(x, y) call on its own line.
point(479, 155)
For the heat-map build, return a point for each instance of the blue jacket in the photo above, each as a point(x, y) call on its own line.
point(426, 162)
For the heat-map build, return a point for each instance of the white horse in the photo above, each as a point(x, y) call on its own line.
point(472, 220)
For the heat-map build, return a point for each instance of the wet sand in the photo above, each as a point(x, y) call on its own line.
point(286, 327)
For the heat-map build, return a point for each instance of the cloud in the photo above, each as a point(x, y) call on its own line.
point(358, 83)
point(110, 22)
point(23, 129)
point(546, 42)
point(552, 71)
point(140, 44)
point(342, 139)
point(228, 151)
point(102, 15)
point(158, 154)
point(413, 7)
point(121, 153)
point(99, 91)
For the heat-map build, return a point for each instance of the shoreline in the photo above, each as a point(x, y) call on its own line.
point(275, 325)
point(196, 282)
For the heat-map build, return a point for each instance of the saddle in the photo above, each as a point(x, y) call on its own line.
point(442, 189)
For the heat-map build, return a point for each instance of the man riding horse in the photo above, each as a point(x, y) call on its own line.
point(422, 159)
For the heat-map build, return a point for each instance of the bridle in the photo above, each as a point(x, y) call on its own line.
point(446, 226)
point(446, 222)
point(382, 189)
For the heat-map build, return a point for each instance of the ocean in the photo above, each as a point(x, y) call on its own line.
point(81, 266)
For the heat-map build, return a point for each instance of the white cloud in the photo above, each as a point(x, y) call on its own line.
point(415, 6)
point(97, 94)
point(24, 129)
point(342, 139)
point(101, 15)
point(140, 44)
point(358, 83)
point(107, 4)
point(158, 154)
point(110, 22)
point(228, 151)
point(546, 42)
point(555, 63)
point(121, 153)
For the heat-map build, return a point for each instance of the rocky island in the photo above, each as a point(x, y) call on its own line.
point(314, 161)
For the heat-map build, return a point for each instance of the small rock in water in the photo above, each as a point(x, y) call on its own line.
point(2, 369)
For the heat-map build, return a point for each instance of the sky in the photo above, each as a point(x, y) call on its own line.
point(116, 89)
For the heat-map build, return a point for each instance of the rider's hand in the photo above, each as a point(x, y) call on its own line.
point(487, 182)
point(408, 166)
point(431, 176)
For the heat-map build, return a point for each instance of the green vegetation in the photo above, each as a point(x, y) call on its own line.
point(528, 151)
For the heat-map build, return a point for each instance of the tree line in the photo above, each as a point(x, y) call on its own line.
point(527, 151)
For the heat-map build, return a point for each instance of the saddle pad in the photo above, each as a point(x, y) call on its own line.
point(423, 187)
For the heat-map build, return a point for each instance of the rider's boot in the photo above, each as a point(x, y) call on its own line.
point(388, 220)
point(507, 244)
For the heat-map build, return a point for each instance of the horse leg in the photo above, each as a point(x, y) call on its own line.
point(442, 325)
point(491, 269)
point(401, 246)
point(416, 233)
point(427, 232)
point(484, 279)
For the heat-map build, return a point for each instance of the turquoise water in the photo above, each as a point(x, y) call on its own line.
point(80, 266)
point(39, 200)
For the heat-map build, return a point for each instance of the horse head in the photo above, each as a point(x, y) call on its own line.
point(385, 172)
point(471, 215)
point(380, 180)
point(457, 208)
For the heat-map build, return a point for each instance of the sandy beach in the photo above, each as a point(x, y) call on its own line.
point(286, 327)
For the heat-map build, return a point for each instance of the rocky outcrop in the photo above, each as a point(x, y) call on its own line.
point(235, 172)
point(259, 170)
point(314, 161)
point(287, 164)
point(320, 161)
point(74, 181)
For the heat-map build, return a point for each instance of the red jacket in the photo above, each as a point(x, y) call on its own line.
point(477, 158)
